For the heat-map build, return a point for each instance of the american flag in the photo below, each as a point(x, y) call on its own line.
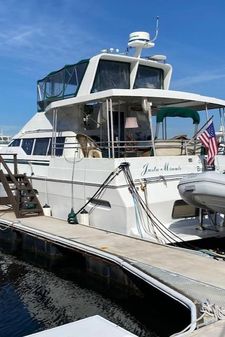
point(208, 139)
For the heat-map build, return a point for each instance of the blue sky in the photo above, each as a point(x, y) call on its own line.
point(39, 36)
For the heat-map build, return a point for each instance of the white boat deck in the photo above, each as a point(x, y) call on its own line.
point(192, 274)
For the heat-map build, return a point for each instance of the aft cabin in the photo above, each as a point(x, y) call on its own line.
point(119, 129)
point(108, 128)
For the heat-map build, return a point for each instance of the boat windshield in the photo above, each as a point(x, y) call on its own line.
point(111, 75)
point(149, 77)
point(116, 75)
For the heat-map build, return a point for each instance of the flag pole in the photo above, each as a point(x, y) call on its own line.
point(195, 135)
point(206, 110)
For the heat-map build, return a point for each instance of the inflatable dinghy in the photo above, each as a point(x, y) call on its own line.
point(204, 190)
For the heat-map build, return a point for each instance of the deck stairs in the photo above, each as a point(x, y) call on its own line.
point(20, 195)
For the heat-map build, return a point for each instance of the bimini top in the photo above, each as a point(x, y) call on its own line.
point(178, 112)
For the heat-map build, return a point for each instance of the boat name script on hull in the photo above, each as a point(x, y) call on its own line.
point(166, 167)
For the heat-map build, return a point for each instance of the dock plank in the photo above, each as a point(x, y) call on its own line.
point(176, 260)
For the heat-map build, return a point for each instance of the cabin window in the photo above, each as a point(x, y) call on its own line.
point(182, 210)
point(41, 146)
point(111, 75)
point(15, 142)
point(148, 77)
point(27, 145)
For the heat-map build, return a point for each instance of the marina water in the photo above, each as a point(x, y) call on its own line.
point(33, 299)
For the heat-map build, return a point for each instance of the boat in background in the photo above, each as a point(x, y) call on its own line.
point(94, 326)
point(99, 150)
point(4, 140)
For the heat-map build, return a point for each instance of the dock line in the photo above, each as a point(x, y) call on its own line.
point(119, 261)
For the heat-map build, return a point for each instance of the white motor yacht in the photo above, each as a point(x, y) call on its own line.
point(4, 140)
point(98, 149)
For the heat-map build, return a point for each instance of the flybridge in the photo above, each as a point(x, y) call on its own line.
point(106, 71)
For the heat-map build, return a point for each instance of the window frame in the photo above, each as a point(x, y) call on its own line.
point(13, 141)
point(36, 142)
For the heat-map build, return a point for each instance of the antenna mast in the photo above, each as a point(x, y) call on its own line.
point(156, 29)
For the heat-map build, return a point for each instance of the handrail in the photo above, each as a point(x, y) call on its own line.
point(15, 163)
point(184, 146)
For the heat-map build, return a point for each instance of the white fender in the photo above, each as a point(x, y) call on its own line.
point(94, 153)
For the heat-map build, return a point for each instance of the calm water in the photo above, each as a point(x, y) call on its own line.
point(32, 299)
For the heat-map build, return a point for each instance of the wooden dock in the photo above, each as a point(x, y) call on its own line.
point(193, 275)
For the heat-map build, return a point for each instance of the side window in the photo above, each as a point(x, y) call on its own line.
point(15, 142)
point(41, 146)
point(27, 145)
